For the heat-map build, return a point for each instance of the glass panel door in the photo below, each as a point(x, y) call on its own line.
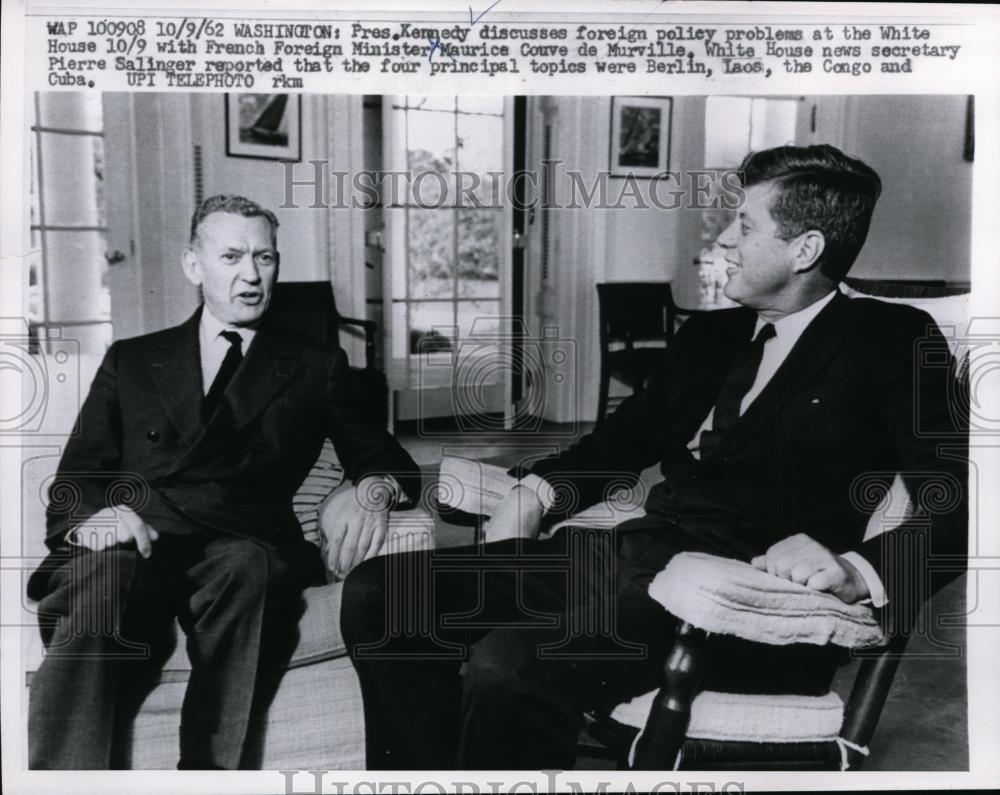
point(448, 234)
point(67, 277)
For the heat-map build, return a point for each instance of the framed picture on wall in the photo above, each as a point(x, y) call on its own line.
point(265, 126)
point(640, 136)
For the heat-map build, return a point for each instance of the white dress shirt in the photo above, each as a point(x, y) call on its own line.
point(787, 331)
point(213, 346)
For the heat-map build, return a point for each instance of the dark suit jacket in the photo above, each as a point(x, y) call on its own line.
point(140, 438)
point(866, 392)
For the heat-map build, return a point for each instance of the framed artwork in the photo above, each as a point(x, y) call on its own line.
point(640, 136)
point(264, 126)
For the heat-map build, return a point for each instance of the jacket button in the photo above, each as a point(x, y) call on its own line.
point(153, 436)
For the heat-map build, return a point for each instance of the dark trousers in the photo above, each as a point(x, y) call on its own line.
point(107, 626)
point(488, 657)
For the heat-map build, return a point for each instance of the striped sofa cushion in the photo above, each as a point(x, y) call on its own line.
point(325, 476)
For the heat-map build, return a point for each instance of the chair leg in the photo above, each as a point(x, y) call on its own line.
point(868, 697)
point(602, 396)
point(667, 724)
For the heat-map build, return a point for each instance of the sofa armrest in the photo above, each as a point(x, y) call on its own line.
point(409, 531)
point(468, 491)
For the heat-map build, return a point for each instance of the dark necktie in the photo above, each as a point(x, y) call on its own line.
point(226, 371)
point(741, 377)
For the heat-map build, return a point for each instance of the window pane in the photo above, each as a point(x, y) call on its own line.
point(77, 289)
point(432, 327)
point(430, 142)
point(69, 180)
point(480, 151)
point(479, 253)
point(430, 103)
point(71, 110)
point(431, 253)
point(727, 131)
point(34, 307)
point(479, 104)
point(479, 319)
point(481, 360)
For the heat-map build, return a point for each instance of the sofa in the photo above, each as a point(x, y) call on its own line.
point(316, 719)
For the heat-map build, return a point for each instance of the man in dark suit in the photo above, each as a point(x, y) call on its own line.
point(766, 421)
point(173, 498)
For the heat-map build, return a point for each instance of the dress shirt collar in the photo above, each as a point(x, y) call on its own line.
point(211, 327)
point(791, 326)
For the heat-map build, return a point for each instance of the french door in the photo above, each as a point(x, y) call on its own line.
point(448, 278)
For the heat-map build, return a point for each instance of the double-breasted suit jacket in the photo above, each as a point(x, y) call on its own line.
point(140, 438)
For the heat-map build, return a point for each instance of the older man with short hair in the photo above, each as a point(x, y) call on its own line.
point(212, 425)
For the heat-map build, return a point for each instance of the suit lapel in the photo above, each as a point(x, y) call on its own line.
point(818, 343)
point(704, 376)
point(270, 363)
point(175, 367)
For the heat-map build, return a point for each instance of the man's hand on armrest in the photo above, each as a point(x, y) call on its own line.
point(803, 560)
point(518, 516)
point(354, 522)
point(111, 526)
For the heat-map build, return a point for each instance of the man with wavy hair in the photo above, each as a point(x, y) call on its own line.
point(761, 418)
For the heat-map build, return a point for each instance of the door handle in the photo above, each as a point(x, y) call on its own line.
point(114, 257)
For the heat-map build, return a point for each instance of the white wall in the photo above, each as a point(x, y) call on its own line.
point(301, 235)
point(157, 129)
point(315, 243)
point(922, 224)
point(653, 244)
point(591, 245)
point(921, 227)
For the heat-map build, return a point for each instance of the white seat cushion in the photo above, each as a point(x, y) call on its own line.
point(742, 717)
point(731, 597)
